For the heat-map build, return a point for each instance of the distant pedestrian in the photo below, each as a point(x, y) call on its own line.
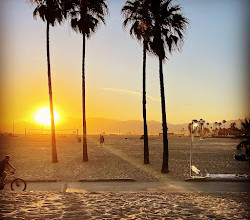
point(101, 139)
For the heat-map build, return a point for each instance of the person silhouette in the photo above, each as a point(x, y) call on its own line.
point(3, 165)
point(101, 139)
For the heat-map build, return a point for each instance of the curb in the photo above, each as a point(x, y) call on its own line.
point(107, 180)
point(41, 181)
point(217, 180)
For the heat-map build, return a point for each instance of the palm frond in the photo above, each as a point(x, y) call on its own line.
point(48, 10)
point(170, 26)
point(136, 14)
point(86, 16)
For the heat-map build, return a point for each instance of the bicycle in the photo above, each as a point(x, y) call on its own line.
point(17, 184)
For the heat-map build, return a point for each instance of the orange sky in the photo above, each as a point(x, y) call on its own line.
point(207, 80)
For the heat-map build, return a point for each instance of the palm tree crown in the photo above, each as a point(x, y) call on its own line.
point(87, 15)
point(48, 10)
point(137, 13)
point(169, 27)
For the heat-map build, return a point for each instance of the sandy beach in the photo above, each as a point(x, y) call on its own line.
point(142, 205)
point(134, 73)
point(119, 158)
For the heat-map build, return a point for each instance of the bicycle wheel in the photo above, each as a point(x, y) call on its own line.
point(18, 184)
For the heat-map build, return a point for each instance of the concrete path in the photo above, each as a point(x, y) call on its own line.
point(211, 187)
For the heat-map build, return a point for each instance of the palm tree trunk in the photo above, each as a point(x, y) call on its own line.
point(146, 150)
point(84, 130)
point(164, 121)
point(53, 136)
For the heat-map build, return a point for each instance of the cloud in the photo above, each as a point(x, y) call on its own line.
point(125, 91)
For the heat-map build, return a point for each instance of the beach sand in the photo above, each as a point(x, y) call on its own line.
point(141, 205)
point(119, 158)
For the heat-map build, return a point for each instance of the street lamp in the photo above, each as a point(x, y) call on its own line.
point(194, 123)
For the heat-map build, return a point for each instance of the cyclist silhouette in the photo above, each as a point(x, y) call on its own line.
point(3, 165)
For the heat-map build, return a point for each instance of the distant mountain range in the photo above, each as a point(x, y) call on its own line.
point(109, 126)
point(98, 125)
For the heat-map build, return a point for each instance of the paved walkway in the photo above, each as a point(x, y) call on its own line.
point(127, 200)
point(208, 187)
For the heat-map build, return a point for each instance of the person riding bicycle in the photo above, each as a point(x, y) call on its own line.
point(3, 165)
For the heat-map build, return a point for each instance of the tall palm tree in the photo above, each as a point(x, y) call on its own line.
point(50, 12)
point(169, 27)
point(86, 16)
point(136, 13)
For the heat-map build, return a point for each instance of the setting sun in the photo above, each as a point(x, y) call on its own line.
point(42, 116)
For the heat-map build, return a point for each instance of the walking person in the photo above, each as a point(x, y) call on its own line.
point(101, 139)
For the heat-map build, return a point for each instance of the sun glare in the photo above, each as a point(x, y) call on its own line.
point(42, 116)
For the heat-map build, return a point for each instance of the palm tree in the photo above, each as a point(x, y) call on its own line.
point(233, 125)
point(136, 13)
point(224, 122)
point(208, 127)
point(169, 27)
point(202, 122)
point(85, 17)
point(50, 12)
point(219, 124)
point(216, 123)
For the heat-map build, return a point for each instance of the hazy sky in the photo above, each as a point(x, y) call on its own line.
point(206, 80)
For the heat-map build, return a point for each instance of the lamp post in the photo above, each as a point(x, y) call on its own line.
point(194, 123)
